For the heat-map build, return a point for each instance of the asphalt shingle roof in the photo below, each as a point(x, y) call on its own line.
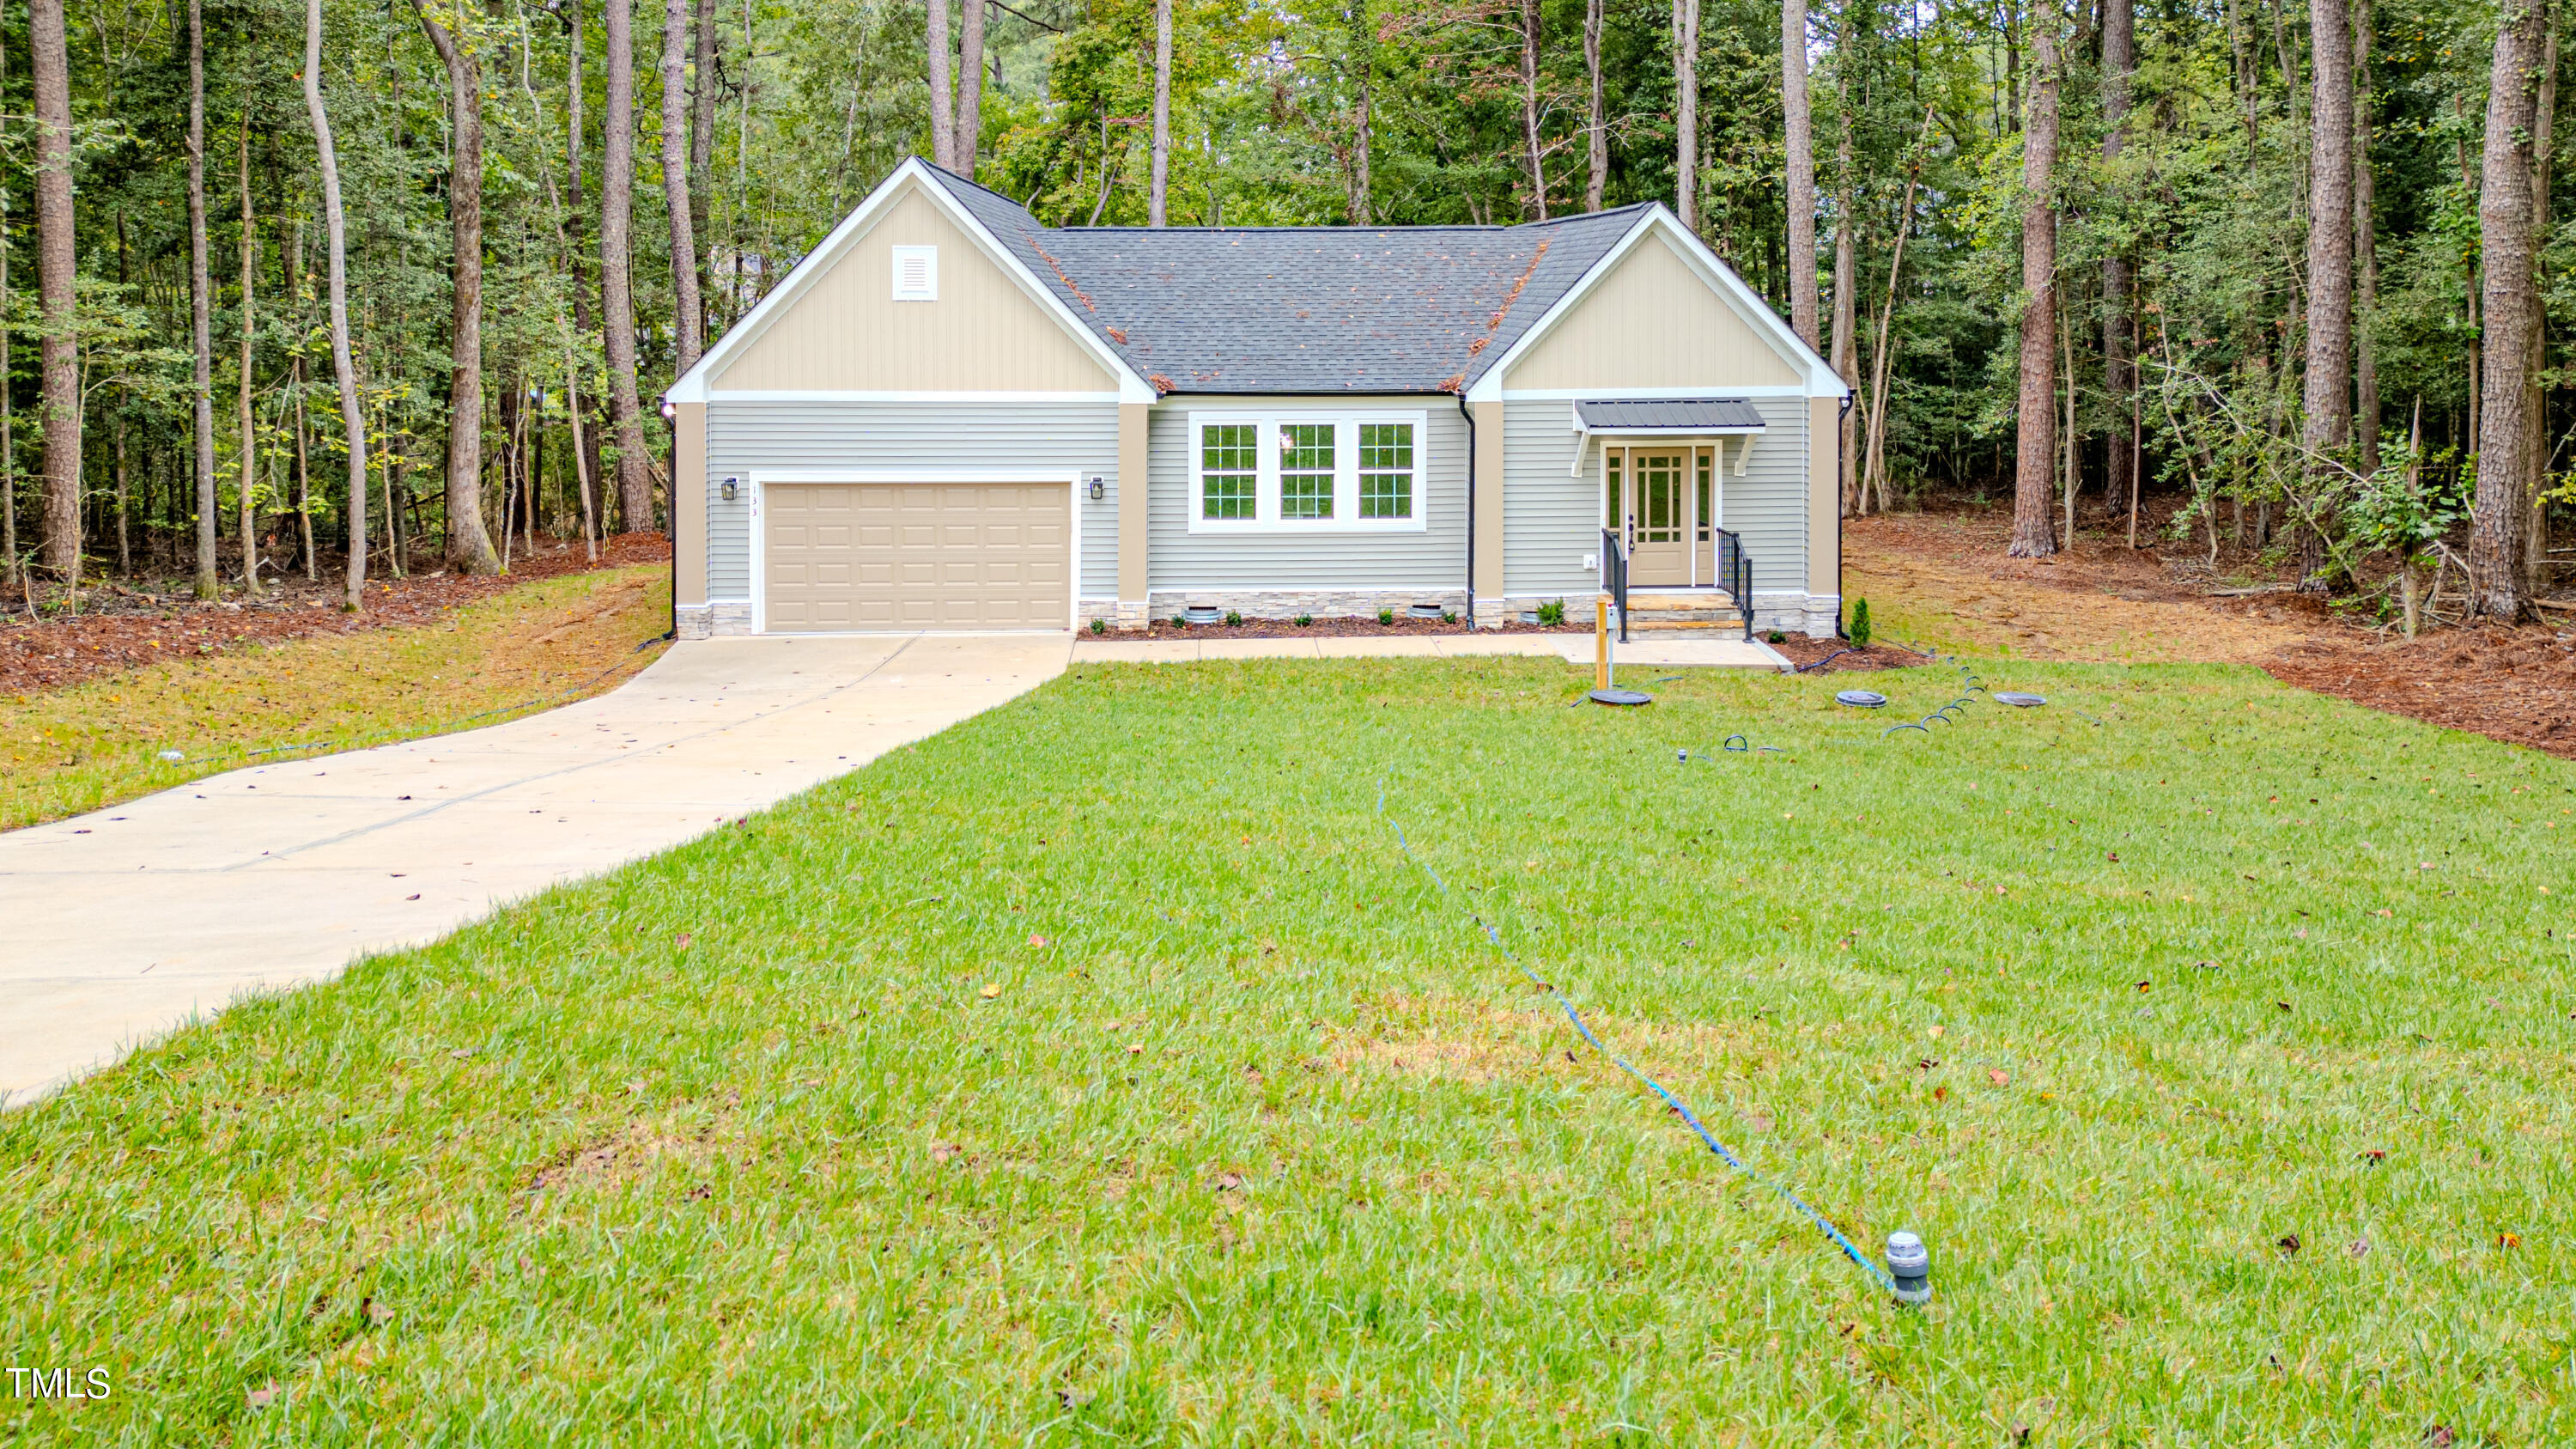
point(1304, 309)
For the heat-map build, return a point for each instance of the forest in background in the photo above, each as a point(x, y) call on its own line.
point(2291, 271)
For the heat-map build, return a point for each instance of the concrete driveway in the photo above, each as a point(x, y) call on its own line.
point(126, 923)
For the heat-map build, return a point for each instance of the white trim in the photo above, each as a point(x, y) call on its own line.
point(757, 479)
point(777, 395)
point(1649, 394)
point(928, 256)
point(1346, 470)
point(693, 385)
point(1822, 381)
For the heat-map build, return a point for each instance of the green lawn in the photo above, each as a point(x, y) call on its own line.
point(1098, 1073)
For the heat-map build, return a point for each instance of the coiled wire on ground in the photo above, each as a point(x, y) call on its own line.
point(1583, 1029)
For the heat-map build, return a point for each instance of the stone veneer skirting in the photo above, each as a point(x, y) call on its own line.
point(726, 619)
point(1289, 603)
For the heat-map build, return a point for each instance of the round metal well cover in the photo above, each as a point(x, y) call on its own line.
point(2019, 700)
point(1861, 698)
point(1621, 697)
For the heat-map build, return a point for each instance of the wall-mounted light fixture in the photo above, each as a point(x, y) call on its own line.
point(729, 490)
point(1099, 489)
point(670, 410)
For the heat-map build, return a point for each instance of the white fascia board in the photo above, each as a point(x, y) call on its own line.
point(692, 386)
point(1721, 278)
point(754, 395)
point(1650, 394)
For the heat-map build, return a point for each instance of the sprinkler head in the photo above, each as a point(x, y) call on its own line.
point(1910, 1264)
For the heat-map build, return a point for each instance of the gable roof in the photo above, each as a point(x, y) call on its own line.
point(1313, 310)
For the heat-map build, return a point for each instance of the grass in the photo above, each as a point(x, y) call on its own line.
point(76, 749)
point(1097, 1072)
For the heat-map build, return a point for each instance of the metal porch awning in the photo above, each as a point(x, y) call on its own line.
point(1696, 417)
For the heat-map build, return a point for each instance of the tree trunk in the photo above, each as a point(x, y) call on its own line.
point(201, 289)
point(1363, 75)
point(1529, 109)
point(1846, 312)
point(2535, 523)
point(2365, 246)
point(2035, 458)
point(687, 325)
point(968, 134)
point(2119, 324)
point(1799, 134)
point(585, 427)
point(943, 115)
point(246, 491)
point(469, 545)
point(344, 371)
point(1160, 183)
point(1874, 464)
point(1596, 131)
point(56, 261)
point(702, 151)
point(2508, 432)
point(616, 294)
point(1686, 112)
point(2328, 396)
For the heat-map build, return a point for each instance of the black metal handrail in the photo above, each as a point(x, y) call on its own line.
point(1735, 575)
point(1614, 575)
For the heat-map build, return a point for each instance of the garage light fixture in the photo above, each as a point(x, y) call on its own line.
point(729, 490)
point(1099, 490)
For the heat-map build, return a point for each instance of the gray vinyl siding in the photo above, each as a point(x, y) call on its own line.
point(1436, 556)
point(1051, 439)
point(1551, 520)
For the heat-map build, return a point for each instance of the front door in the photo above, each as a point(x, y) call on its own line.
point(1651, 491)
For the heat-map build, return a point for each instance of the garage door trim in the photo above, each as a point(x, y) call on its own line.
point(1072, 479)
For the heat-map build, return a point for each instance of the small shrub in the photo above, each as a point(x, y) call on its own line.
point(1448, 616)
point(1777, 637)
point(1232, 619)
point(1552, 613)
point(1386, 616)
point(1305, 619)
point(1858, 629)
point(1179, 623)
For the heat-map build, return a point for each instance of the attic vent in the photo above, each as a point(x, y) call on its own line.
point(916, 274)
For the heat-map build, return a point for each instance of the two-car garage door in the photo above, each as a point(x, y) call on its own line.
point(850, 556)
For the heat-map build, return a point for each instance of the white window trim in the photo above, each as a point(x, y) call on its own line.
point(1266, 423)
point(930, 269)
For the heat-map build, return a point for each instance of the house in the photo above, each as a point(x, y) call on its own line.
point(953, 417)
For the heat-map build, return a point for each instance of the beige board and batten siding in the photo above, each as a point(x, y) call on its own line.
point(1553, 520)
point(1434, 557)
point(1052, 443)
point(1653, 321)
point(845, 332)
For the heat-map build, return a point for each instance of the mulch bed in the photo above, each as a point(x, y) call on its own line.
point(2515, 685)
point(1804, 652)
point(1334, 627)
point(122, 626)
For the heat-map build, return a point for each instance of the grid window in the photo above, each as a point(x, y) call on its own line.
point(1229, 470)
point(1306, 470)
point(1386, 470)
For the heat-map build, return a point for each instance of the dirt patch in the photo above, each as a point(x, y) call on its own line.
point(1943, 576)
point(121, 627)
point(611, 1163)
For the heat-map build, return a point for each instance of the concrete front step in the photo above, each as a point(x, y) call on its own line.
point(1643, 623)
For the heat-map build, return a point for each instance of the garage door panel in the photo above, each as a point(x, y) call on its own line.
point(917, 556)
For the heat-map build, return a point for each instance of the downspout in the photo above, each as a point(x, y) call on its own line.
point(1469, 414)
point(1840, 433)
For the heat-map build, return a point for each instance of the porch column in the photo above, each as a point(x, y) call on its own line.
point(1488, 523)
point(1134, 489)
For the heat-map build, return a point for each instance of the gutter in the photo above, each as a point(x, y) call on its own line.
point(1469, 414)
point(1840, 433)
